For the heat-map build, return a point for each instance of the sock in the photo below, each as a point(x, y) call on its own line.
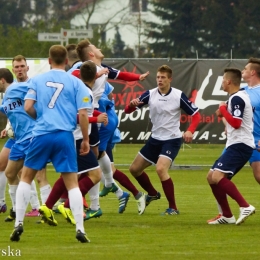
point(105, 165)
point(146, 184)
point(125, 182)
point(56, 192)
point(75, 198)
point(12, 193)
point(168, 189)
point(22, 198)
point(85, 184)
point(119, 191)
point(94, 197)
point(45, 192)
point(231, 190)
point(221, 198)
point(2, 188)
point(34, 201)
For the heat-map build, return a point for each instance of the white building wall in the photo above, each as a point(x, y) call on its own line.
point(118, 13)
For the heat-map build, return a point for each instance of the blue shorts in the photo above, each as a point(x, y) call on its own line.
point(19, 150)
point(9, 143)
point(86, 162)
point(107, 132)
point(233, 159)
point(109, 151)
point(59, 147)
point(155, 148)
point(255, 157)
point(94, 136)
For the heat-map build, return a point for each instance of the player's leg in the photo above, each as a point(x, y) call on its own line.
point(11, 171)
point(255, 165)
point(45, 187)
point(230, 163)
point(3, 180)
point(22, 198)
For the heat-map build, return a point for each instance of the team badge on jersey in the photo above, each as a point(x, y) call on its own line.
point(86, 99)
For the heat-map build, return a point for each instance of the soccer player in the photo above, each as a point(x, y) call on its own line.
point(251, 75)
point(73, 60)
point(20, 70)
point(54, 98)
point(239, 148)
point(88, 51)
point(106, 133)
point(165, 103)
point(6, 78)
point(88, 167)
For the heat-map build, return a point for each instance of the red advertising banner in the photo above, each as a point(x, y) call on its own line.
point(200, 80)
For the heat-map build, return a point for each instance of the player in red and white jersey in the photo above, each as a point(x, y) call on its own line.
point(87, 51)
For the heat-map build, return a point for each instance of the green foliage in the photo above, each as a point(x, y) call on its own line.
point(213, 28)
point(175, 36)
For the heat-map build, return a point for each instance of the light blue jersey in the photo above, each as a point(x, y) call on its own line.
point(13, 107)
point(74, 67)
point(254, 94)
point(58, 97)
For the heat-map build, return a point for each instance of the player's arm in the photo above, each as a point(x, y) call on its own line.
point(83, 122)
point(29, 108)
point(237, 110)
point(126, 76)
point(138, 102)
point(129, 76)
point(192, 110)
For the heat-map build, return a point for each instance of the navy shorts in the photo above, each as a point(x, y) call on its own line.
point(86, 162)
point(233, 159)
point(155, 148)
point(94, 135)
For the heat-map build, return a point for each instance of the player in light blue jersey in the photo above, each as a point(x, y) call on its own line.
point(59, 97)
point(251, 75)
point(6, 78)
point(106, 104)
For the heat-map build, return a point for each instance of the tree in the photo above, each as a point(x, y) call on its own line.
point(247, 29)
point(176, 35)
point(118, 45)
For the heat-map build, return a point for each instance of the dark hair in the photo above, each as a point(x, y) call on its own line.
point(58, 54)
point(234, 74)
point(72, 52)
point(254, 65)
point(165, 69)
point(82, 45)
point(7, 75)
point(88, 71)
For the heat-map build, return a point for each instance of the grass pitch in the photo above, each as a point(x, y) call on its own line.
point(150, 236)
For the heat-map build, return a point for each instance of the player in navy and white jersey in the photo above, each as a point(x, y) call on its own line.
point(239, 147)
point(59, 98)
point(165, 104)
point(87, 51)
point(251, 75)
